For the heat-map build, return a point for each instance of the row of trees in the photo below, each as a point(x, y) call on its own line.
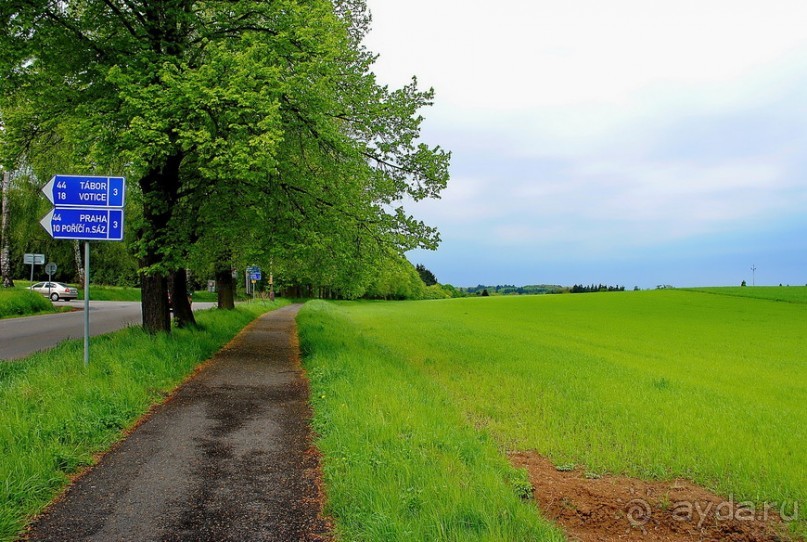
point(511, 289)
point(249, 131)
point(580, 289)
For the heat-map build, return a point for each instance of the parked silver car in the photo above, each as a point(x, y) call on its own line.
point(55, 290)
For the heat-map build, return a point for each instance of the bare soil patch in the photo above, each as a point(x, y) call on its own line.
point(617, 508)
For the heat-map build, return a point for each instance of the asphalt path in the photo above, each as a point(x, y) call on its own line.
point(20, 337)
point(228, 457)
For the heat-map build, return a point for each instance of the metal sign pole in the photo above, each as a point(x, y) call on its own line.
point(86, 303)
point(86, 207)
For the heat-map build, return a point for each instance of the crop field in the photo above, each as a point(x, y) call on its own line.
point(788, 294)
point(424, 399)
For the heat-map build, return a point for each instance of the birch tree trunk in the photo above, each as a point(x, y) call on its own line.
point(79, 263)
point(5, 251)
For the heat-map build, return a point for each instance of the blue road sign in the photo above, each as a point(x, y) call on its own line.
point(255, 276)
point(85, 191)
point(87, 224)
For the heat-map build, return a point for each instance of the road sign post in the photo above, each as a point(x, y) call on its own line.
point(86, 208)
point(50, 269)
point(32, 260)
point(86, 303)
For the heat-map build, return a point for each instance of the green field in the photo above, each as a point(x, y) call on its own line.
point(657, 384)
point(788, 294)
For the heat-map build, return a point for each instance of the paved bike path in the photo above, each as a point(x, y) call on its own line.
point(228, 457)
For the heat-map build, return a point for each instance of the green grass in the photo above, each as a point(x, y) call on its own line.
point(55, 413)
point(789, 294)
point(657, 385)
point(399, 461)
point(16, 302)
point(101, 292)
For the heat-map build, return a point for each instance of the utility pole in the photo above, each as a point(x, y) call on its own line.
point(753, 274)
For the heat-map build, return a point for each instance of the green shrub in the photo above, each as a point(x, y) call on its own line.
point(15, 302)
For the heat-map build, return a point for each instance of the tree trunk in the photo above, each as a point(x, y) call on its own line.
point(225, 287)
point(79, 263)
point(156, 316)
point(5, 251)
point(160, 188)
point(183, 314)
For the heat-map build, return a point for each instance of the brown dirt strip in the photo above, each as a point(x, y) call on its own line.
point(616, 508)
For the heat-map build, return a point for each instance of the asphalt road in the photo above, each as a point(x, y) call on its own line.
point(20, 337)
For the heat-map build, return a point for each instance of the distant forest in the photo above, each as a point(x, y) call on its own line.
point(510, 289)
point(580, 289)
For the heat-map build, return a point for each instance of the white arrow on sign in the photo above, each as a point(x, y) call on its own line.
point(47, 222)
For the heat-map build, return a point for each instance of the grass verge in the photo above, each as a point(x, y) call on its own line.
point(101, 292)
point(55, 414)
point(399, 460)
point(14, 302)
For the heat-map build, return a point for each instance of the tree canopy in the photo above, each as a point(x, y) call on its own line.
point(248, 130)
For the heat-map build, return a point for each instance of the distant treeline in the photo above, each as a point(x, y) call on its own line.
point(580, 289)
point(510, 289)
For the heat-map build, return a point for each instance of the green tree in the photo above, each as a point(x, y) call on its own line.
point(426, 276)
point(223, 114)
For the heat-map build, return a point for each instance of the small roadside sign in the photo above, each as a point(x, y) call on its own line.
point(50, 269)
point(33, 259)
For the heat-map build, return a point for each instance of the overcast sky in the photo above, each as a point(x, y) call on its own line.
point(632, 142)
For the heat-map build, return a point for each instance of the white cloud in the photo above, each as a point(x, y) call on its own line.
point(597, 128)
point(514, 55)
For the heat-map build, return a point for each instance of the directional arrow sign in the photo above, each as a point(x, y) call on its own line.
point(85, 191)
point(84, 224)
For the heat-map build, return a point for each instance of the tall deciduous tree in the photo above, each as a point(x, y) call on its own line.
point(227, 115)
